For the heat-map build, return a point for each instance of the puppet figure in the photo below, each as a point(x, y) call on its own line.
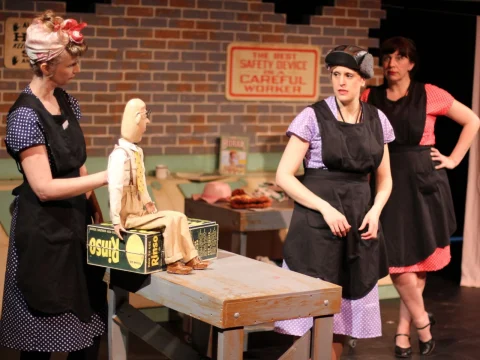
point(130, 204)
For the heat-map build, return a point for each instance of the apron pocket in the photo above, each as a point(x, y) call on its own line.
point(315, 220)
point(427, 182)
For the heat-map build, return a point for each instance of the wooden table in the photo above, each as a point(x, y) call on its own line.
point(233, 293)
point(240, 221)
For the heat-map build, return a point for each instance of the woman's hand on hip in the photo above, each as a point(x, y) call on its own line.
point(370, 219)
point(445, 161)
point(336, 221)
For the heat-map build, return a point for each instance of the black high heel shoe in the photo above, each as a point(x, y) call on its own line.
point(402, 352)
point(427, 347)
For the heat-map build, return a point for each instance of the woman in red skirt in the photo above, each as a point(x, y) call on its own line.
point(419, 218)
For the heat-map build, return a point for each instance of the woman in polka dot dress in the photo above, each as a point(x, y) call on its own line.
point(53, 301)
point(334, 233)
point(419, 218)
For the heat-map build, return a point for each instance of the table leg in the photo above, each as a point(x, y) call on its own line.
point(117, 334)
point(229, 343)
point(239, 243)
point(322, 337)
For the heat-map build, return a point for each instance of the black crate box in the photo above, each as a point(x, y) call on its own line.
point(141, 251)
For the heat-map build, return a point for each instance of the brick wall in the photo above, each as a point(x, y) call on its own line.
point(172, 54)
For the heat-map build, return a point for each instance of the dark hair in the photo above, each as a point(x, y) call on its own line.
point(405, 47)
point(49, 20)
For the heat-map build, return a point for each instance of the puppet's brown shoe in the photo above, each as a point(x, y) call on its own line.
point(178, 268)
point(197, 264)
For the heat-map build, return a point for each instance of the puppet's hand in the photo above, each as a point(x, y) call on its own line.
point(370, 219)
point(150, 207)
point(118, 228)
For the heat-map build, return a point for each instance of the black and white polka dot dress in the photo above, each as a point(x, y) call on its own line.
point(22, 328)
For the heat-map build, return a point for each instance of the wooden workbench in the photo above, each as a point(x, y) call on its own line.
point(241, 221)
point(233, 293)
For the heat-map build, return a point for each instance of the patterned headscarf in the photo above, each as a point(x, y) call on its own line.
point(43, 44)
point(352, 57)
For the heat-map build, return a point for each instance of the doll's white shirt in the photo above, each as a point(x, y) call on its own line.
point(118, 173)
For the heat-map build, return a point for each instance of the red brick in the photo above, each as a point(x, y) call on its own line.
point(180, 45)
point(357, 13)
point(151, 87)
point(261, 28)
point(10, 97)
point(141, 55)
point(203, 150)
point(178, 129)
point(205, 129)
point(138, 76)
point(334, 11)
point(248, 17)
point(181, 24)
point(321, 20)
point(58, 7)
point(108, 98)
point(195, 35)
point(123, 65)
point(151, 66)
point(273, 38)
point(125, 2)
point(179, 87)
point(94, 64)
point(221, 36)
point(140, 11)
point(140, 33)
point(7, 85)
point(218, 119)
point(274, 18)
point(183, 3)
point(93, 20)
point(255, 129)
point(19, 5)
point(162, 140)
point(104, 9)
point(167, 34)
point(153, 44)
point(244, 119)
point(192, 77)
point(168, 13)
point(166, 55)
point(347, 3)
point(177, 150)
point(17, 74)
point(378, 14)
point(370, 4)
point(292, 39)
point(174, 108)
point(209, 4)
point(108, 54)
point(371, 24)
point(94, 129)
point(235, 5)
point(345, 22)
point(333, 31)
point(88, 108)
point(208, 25)
point(262, 7)
point(247, 37)
point(193, 119)
point(190, 140)
point(123, 87)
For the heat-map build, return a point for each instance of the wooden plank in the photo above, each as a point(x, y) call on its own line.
point(322, 337)
point(300, 350)
point(238, 284)
point(273, 308)
point(229, 344)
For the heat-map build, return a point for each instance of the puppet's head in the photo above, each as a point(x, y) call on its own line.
point(134, 121)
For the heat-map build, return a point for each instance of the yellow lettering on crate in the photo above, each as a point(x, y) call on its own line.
point(105, 248)
point(155, 257)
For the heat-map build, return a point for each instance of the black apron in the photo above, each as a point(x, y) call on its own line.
point(419, 216)
point(350, 152)
point(50, 236)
